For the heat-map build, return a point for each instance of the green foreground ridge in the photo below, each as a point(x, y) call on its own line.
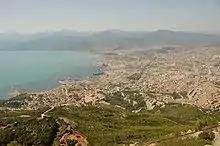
point(108, 125)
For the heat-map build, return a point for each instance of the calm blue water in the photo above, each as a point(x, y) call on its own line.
point(40, 70)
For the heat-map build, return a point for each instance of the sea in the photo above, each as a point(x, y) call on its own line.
point(34, 71)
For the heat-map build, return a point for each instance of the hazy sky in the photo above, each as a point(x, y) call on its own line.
point(29, 16)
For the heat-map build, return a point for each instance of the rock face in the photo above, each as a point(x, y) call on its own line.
point(79, 138)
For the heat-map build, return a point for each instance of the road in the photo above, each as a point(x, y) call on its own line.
point(44, 113)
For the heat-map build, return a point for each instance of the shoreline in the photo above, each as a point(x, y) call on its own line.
point(160, 79)
point(56, 84)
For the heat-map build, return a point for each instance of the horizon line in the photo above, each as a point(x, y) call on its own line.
point(101, 30)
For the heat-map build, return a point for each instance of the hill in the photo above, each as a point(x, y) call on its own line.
point(110, 39)
point(106, 125)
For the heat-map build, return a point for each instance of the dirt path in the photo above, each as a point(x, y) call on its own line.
point(217, 138)
point(43, 114)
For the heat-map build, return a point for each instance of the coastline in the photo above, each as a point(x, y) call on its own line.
point(49, 81)
point(155, 81)
point(25, 98)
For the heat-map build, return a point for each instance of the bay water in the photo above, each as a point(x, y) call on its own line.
point(34, 71)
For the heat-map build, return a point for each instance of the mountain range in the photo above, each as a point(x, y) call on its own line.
point(109, 39)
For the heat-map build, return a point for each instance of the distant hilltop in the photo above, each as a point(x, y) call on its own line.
point(109, 39)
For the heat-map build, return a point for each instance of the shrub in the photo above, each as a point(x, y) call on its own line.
point(72, 143)
point(207, 135)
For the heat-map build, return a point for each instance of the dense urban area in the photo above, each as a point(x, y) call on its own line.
point(158, 97)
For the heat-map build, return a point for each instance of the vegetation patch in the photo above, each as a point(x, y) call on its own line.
point(109, 125)
point(183, 142)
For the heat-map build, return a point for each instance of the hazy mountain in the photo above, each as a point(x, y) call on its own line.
point(180, 38)
point(109, 39)
point(66, 32)
point(13, 40)
point(52, 42)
